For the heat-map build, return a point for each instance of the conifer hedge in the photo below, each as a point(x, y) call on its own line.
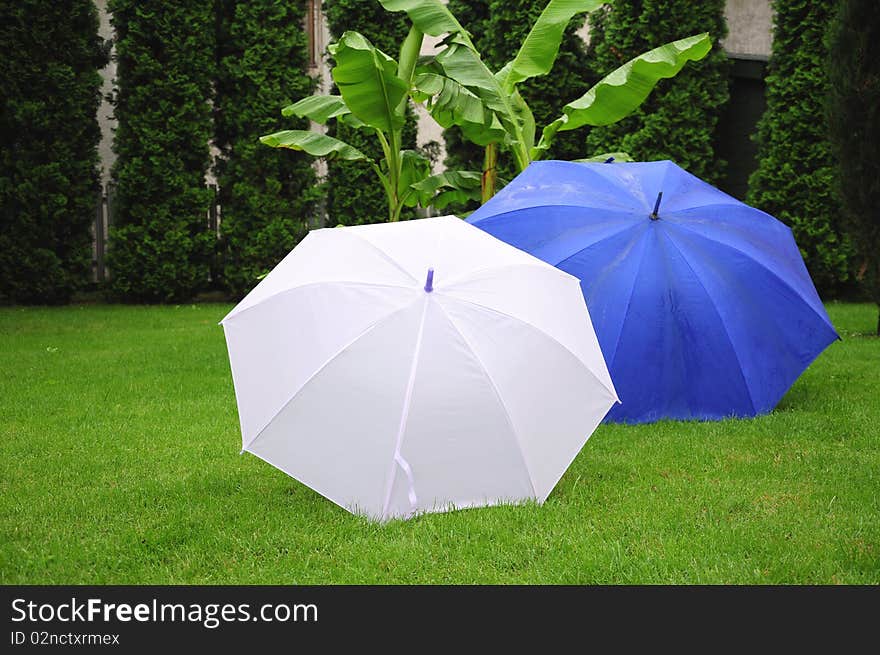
point(854, 113)
point(266, 195)
point(160, 245)
point(50, 92)
point(795, 178)
point(679, 118)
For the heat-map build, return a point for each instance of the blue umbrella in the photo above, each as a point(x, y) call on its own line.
point(702, 304)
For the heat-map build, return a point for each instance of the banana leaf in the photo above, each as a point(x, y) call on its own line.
point(622, 91)
point(317, 145)
point(367, 80)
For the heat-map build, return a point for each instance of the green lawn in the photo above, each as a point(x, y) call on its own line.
point(119, 439)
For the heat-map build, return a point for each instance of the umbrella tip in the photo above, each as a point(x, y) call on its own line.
point(429, 282)
point(654, 214)
point(608, 161)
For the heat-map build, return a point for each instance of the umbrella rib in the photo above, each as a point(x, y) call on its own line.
point(718, 314)
point(721, 206)
point(497, 397)
point(547, 266)
point(353, 283)
point(598, 241)
point(397, 458)
point(600, 207)
point(329, 361)
point(615, 213)
point(758, 263)
point(632, 292)
point(384, 255)
point(539, 331)
point(465, 277)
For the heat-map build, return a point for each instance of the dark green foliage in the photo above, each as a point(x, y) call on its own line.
point(795, 176)
point(354, 193)
point(266, 194)
point(678, 119)
point(854, 119)
point(160, 246)
point(50, 91)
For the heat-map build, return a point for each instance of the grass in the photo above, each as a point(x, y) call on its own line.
point(119, 440)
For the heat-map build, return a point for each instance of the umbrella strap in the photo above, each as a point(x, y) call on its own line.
point(399, 460)
point(404, 466)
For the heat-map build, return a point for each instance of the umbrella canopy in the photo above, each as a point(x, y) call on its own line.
point(702, 305)
point(415, 367)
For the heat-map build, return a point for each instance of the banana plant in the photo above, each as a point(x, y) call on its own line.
point(373, 94)
point(459, 89)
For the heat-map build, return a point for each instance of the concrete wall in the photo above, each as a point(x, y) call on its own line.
point(750, 28)
point(429, 130)
point(105, 111)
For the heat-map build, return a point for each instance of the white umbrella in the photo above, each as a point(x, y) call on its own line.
point(418, 366)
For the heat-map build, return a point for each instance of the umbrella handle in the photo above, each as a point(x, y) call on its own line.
point(654, 215)
point(429, 282)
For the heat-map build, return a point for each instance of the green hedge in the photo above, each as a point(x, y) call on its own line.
point(794, 180)
point(679, 118)
point(854, 112)
point(353, 193)
point(160, 246)
point(50, 91)
point(266, 194)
